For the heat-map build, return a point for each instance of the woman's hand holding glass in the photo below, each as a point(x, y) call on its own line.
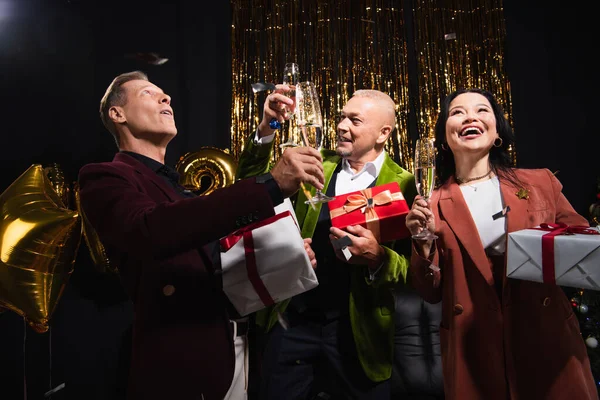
point(421, 218)
point(424, 164)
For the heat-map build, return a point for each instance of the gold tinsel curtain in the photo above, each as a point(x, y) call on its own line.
point(460, 44)
point(341, 45)
point(347, 45)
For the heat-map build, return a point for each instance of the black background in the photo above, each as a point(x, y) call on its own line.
point(58, 57)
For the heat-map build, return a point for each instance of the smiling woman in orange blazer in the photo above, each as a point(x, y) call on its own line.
point(501, 338)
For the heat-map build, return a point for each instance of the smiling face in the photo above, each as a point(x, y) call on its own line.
point(147, 111)
point(471, 125)
point(366, 123)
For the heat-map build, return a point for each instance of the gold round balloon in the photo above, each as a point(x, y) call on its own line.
point(95, 247)
point(39, 239)
point(206, 170)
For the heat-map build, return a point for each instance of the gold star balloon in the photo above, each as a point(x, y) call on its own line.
point(39, 239)
point(59, 183)
point(95, 246)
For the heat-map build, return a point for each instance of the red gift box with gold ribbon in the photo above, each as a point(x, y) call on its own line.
point(381, 209)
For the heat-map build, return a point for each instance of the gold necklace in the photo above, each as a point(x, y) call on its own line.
point(461, 181)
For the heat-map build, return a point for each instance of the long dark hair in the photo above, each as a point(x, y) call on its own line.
point(500, 160)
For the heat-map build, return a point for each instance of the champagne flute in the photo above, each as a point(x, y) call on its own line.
point(291, 77)
point(424, 164)
point(310, 122)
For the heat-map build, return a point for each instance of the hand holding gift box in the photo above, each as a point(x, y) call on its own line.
point(556, 254)
point(265, 263)
point(381, 209)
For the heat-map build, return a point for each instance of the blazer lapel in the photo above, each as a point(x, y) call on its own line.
point(389, 172)
point(207, 251)
point(148, 174)
point(518, 208)
point(455, 212)
point(305, 211)
point(516, 219)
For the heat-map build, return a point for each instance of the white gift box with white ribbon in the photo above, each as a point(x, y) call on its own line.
point(265, 262)
point(570, 259)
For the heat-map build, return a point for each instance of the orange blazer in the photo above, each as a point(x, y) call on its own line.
point(529, 345)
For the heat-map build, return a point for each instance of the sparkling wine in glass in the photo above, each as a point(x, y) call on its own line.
point(310, 121)
point(291, 77)
point(424, 164)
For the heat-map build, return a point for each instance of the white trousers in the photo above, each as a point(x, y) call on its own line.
point(239, 386)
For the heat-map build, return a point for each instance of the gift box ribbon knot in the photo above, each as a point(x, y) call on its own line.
point(548, 268)
point(367, 203)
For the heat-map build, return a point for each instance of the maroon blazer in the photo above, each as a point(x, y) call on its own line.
point(182, 341)
point(529, 345)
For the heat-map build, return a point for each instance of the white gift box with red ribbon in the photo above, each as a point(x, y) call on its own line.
point(555, 254)
point(265, 263)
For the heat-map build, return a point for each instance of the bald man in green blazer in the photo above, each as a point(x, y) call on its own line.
point(346, 323)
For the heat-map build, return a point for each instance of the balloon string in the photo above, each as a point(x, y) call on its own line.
point(49, 393)
point(24, 360)
point(50, 358)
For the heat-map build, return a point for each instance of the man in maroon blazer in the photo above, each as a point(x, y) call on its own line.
point(155, 234)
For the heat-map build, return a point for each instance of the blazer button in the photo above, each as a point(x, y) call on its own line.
point(458, 309)
point(546, 302)
point(168, 290)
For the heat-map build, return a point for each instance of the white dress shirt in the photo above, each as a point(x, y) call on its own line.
point(350, 181)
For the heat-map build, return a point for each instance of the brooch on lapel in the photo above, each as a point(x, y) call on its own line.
point(523, 194)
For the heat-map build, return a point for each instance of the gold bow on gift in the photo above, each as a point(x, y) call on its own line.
point(366, 202)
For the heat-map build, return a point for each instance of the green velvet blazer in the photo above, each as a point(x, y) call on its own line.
point(371, 303)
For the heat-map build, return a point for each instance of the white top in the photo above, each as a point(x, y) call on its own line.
point(484, 200)
point(347, 181)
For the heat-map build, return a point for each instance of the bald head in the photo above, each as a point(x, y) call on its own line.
point(384, 102)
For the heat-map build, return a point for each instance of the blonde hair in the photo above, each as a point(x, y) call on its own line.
point(115, 96)
point(387, 104)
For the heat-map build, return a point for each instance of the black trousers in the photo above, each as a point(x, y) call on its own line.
point(315, 359)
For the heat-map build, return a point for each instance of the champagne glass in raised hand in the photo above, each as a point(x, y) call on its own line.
point(291, 77)
point(310, 122)
point(424, 164)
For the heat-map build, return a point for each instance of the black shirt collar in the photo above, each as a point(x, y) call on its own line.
point(155, 166)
